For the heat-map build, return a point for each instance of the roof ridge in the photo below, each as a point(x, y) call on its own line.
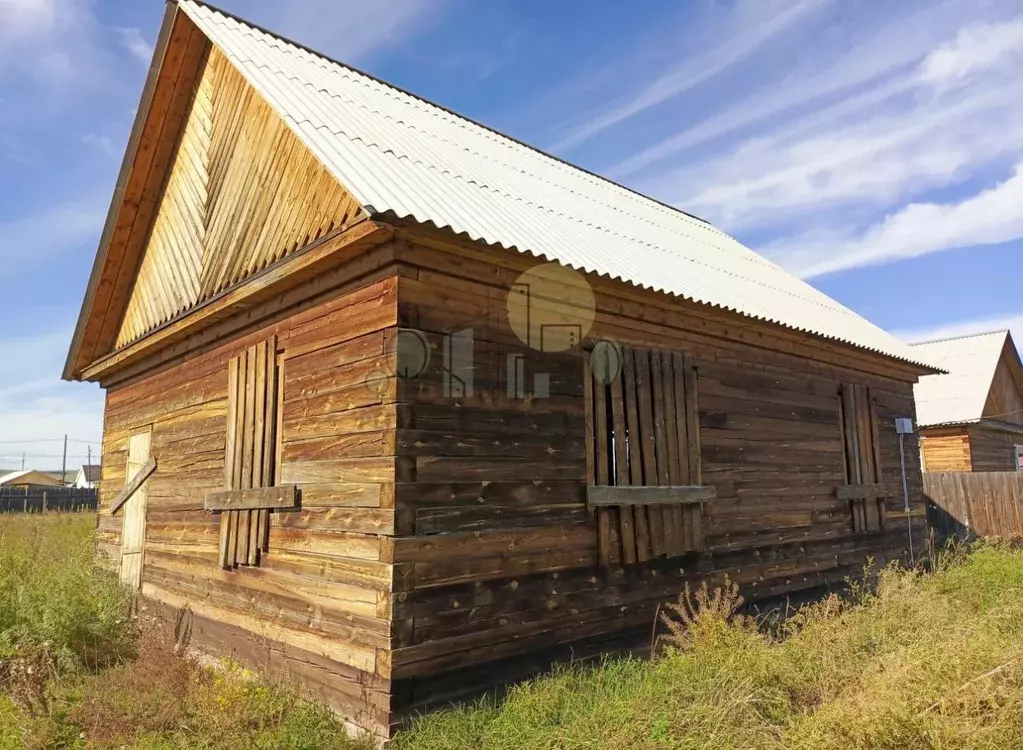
point(488, 128)
point(962, 336)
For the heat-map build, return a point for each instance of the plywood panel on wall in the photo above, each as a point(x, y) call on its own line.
point(242, 193)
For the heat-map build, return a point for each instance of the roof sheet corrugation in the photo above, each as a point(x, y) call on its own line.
point(960, 396)
point(398, 153)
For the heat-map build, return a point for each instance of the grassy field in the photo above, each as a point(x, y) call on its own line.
point(917, 661)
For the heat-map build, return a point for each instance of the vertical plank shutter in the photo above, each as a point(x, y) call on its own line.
point(642, 433)
point(864, 488)
point(251, 454)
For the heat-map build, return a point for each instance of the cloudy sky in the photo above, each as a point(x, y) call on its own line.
point(873, 148)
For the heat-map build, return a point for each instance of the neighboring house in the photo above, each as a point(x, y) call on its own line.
point(972, 418)
point(88, 477)
point(29, 478)
point(359, 483)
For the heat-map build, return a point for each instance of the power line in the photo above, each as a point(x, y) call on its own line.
point(50, 440)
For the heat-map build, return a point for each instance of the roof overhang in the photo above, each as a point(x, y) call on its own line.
point(87, 342)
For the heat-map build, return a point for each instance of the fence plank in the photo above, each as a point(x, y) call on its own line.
point(985, 504)
point(47, 499)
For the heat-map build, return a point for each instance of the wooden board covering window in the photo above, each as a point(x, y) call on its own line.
point(251, 458)
point(642, 432)
point(133, 530)
point(862, 459)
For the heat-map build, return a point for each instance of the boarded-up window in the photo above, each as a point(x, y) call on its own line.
point(643, 453)
point(251, 457)
point(863, 489)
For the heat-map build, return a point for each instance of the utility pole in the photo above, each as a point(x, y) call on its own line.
point(63, 467)
point(90, 455)
point(23, 457)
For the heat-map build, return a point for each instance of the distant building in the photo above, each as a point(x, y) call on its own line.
point(972, 418)
point(88, 477)
point(29, 478)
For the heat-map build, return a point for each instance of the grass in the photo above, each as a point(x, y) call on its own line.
point(916, 660)
point(77, 671)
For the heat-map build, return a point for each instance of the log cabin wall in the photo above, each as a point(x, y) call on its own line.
point(991, 450)
point(317, 604)
point(946, 449)
point(497, 569)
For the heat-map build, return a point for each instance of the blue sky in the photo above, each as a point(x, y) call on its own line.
point(872, 147)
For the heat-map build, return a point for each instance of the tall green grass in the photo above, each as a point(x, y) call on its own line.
point(53, 597)
point(915, 660)
point(920, 661)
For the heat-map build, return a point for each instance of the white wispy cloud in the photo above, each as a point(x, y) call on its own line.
point(992, 216)
point(871, 67)
point(33, 238)
point(1011, 323)
point(753, 24)
point(349, 31)
point(133, 41)
point(976, 48)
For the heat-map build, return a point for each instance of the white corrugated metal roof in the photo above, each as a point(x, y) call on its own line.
point(398, 153)
point(960, 396)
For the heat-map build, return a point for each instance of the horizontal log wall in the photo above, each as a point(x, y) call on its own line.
point(946, 449)
point(991, 450)
point(498, 563)
point(321, 595)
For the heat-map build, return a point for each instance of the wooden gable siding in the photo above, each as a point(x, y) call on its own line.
point(946, 449)
point(320, 599)
point(242, 192)
point(1005, 399)
point(497, 552)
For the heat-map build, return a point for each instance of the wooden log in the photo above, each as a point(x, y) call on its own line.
point(601, 497)
point(275, 498)
point(134, 485)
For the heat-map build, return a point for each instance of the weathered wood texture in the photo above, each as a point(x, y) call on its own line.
point(978, 447)
point(323, 583)
point(644, 421)
point(444, 541)
point(242, 192)
point(497, 558)
point(863, 489)
point(993, 450)
point(946, 450)
point(250, 458)
point(989, 504)
point(1005, 399)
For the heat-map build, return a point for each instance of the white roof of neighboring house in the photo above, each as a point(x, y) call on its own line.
point(399, 154)
point(29, 476)
point(959, 396)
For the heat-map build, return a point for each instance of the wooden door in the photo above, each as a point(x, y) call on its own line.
point(133, 532)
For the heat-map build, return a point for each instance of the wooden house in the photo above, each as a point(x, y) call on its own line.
point(406, 408)
point(29, 478)
point(971, 418)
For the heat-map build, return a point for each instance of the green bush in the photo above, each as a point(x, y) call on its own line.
point(55, 599)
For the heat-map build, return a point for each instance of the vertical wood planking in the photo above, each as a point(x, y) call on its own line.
point(642, 526)
point(626, 516)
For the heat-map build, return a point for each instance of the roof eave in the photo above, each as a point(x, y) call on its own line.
point(390, 217)
point(73, 367)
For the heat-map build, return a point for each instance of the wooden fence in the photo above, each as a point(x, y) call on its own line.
point(984, 504)
point(47, 500)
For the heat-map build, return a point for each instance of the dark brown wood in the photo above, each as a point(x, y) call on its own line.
point(598, 497)
point(642, 524)
point(133, 486)
point(626, 515)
